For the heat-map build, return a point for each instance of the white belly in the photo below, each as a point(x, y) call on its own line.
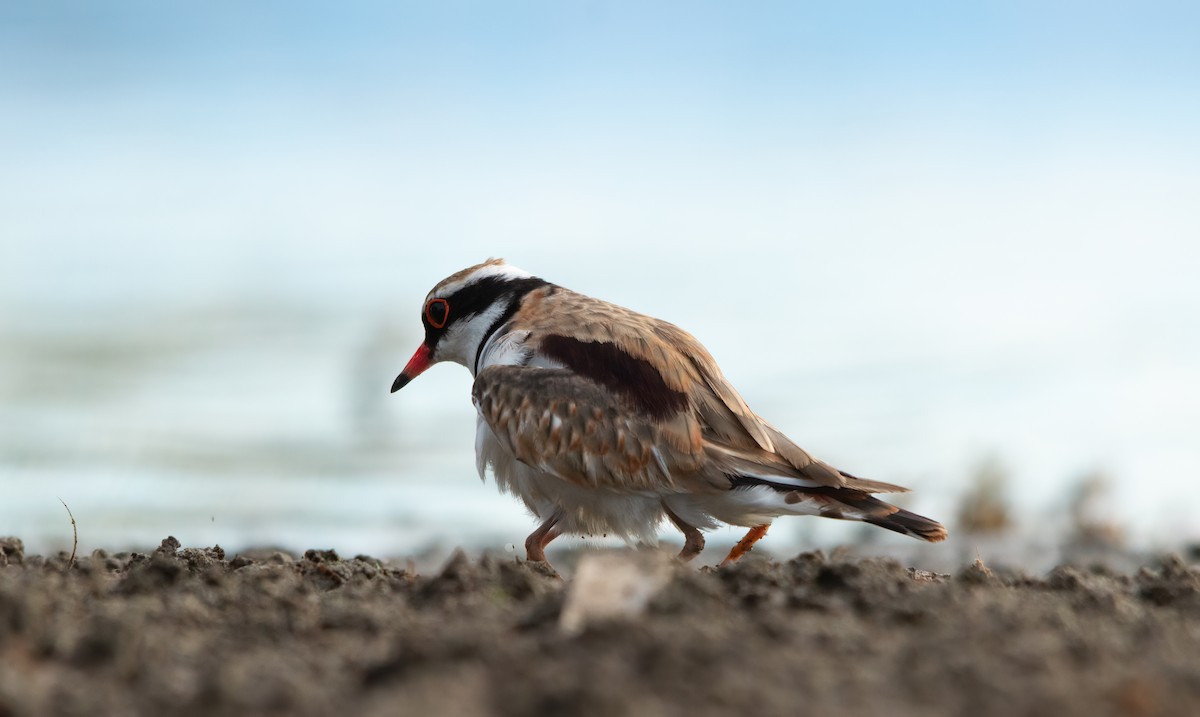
point(747, 507)
point(581, 511)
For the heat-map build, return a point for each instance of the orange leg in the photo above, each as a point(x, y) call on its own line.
point(745, 544)
point(535, 544)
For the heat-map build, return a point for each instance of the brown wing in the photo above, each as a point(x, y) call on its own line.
point(576, 429)
point(664, 370)
point(683, 370)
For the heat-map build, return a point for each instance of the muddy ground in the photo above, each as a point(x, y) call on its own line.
point(199, 632)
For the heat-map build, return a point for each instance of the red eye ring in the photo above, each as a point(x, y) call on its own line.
point(437, 321)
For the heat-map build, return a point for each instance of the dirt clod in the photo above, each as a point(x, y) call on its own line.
point(12, 551)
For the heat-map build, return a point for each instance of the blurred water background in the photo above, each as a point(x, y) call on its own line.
point(948, 246)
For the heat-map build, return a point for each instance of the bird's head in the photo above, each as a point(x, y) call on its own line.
point(463, 311)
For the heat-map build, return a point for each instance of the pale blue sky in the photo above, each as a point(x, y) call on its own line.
point(281, 124)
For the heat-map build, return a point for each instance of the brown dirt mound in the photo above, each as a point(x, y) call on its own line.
point(192, 632)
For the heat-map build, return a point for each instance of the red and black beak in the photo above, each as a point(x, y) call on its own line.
point(420, 361)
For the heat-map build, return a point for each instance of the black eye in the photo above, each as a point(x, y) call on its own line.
point(436, 312)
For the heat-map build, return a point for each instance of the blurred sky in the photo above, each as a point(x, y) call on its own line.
point(982, 212)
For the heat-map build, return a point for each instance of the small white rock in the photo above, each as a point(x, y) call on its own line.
point(612, 585)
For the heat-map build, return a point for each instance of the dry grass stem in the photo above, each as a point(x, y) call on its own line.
point(75, 535)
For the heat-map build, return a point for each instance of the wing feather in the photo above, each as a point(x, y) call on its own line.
point(697, 413)
point(681, 361)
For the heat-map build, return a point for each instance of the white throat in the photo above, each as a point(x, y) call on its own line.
point(464, 341)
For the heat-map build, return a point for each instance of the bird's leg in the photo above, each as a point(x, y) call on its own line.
point(745, 544)
point(693, 538)
point(535, 544)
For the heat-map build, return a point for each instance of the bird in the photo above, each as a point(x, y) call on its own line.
point(605, 421)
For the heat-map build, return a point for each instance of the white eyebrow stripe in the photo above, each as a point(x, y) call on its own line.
point(507, 271)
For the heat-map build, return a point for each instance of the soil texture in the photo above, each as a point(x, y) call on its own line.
point(193, 631)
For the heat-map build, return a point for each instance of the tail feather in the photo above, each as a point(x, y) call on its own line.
point(870, 509)
point(851, 503)
point(909, 523)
